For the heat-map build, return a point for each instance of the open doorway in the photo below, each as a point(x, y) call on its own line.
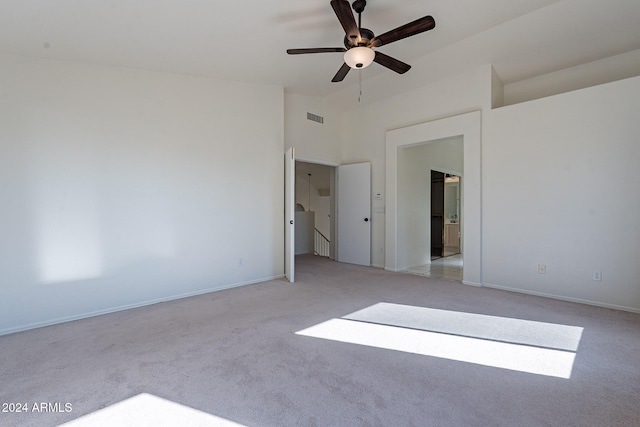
point(407, 225)
point(437, 214)
point(445, 215)
point(313, 192)
point(452, 215)
point(422, 207)
point(314, 200)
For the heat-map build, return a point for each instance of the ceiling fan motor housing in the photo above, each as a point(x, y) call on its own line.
point(366, 35)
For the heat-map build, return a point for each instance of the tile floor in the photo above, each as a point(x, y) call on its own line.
point(444, 268)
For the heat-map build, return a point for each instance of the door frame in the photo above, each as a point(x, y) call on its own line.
point(431, 216)
point(289, 213)
point(333, 236)
point(460, 208)
point(469, 127)
point(334, 247)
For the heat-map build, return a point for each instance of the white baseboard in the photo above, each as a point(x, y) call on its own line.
point(477, 285)
point(130, 306)
point(564, 298)
point(403, 269)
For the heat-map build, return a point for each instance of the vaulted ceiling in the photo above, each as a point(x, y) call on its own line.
point(247, 40)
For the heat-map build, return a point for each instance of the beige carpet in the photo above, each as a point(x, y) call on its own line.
point(235, 356)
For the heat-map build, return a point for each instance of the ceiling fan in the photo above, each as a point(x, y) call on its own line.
point(359, 42)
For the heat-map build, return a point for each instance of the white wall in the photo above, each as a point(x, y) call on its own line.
point(559, 182)
point(312, 141)
point(122, 187)
point(315, 143)
point(365, 129)
point(618, 67)
point(560, 187)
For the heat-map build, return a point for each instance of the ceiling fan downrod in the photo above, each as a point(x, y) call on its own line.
point(359, 6)
point(366, 35)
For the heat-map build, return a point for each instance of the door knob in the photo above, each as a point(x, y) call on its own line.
point(366, 219)
point(291, 222)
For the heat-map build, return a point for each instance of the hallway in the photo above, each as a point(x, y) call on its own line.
point(443, 268)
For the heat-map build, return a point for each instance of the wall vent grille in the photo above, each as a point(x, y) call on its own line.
point(315, 118)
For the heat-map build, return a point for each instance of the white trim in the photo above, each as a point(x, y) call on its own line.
point(478, 285)
point(563, 298)
point(289, 213)
point(316, 161)
point(469, 127)
point(131, 306)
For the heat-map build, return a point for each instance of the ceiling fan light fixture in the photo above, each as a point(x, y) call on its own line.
point(359, 57)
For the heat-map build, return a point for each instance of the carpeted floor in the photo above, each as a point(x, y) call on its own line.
point(235, 354)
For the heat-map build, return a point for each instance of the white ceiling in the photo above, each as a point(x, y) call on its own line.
point(247, 40)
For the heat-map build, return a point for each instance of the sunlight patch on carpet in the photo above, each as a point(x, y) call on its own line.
point(515, 331)
point(147, 410)
point(514, 344)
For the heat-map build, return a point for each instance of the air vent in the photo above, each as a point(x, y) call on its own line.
point(315, 118)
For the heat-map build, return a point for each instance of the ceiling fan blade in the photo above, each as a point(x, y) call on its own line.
point(315, 50)
point(407, 30)
point(341, 74)
point(391, 63)
point(343, 11)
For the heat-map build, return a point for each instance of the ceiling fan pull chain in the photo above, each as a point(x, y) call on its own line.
point(360, 84)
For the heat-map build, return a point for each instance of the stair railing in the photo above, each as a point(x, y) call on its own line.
point(320, 244)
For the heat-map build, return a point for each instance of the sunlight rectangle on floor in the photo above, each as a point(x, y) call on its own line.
point(145, 410)
point(496, 328)
point(517, 357)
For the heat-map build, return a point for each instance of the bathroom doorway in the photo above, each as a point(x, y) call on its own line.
point(437, 214)
point(445, 214)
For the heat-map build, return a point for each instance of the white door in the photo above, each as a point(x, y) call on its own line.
point(289, 213)
point(354, 213)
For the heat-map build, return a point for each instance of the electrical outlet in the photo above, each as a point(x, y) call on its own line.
point(597, 276)
point(542, 269)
